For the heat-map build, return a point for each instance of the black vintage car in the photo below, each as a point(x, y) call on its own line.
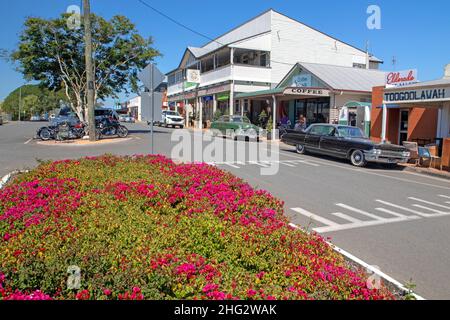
point(344, 142)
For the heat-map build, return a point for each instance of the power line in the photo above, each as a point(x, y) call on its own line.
point(178, 23)
point(194, 31)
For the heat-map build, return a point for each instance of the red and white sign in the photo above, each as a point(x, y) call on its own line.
point(401, 78)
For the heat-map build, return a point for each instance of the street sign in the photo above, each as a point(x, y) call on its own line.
point(151, 77)
point(151, 102)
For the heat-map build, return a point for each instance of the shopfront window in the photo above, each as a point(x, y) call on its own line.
point(237, 108)
point(317, 111)
point(314, 110)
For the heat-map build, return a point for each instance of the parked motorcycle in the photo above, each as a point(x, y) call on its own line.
point(47, 133)
point(62, 131)
point(107, 127)
point(67, 131)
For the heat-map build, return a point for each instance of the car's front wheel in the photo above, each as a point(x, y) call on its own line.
point(358, 159)
point(300, 149)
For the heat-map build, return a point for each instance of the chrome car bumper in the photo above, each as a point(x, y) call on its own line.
point(384, 159)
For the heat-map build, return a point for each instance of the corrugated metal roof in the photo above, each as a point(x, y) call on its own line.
point(198, 52)
point(346, 78)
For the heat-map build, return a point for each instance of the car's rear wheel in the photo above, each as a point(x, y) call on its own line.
point(358, 159)
point(300, 149)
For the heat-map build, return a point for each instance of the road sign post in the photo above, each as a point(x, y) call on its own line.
point(152, 78)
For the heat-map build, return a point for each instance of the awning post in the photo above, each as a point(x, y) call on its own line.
point(274, 117)
point(200, 125)
point(384, 124)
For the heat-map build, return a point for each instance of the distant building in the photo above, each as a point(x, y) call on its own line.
point(138, 111)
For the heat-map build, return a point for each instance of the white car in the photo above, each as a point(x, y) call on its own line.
point(172, 119)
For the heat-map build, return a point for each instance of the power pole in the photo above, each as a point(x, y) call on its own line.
point(89, 68)
point(20, 100)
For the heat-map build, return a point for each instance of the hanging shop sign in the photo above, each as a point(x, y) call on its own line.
point(421, 95)
point(214, 90)
point(307, 92)
point(223, 96)
point(208, 98)
point(193, 76)
point(401, 78)
point(301, 80)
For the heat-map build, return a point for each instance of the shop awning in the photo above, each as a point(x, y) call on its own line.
point(260, 93)
point(356, 104)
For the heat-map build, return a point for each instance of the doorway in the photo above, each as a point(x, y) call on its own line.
point(403, 128)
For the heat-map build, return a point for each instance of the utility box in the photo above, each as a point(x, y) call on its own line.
point(356, 114)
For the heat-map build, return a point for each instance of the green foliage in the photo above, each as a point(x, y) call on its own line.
point(217, 115)
point(410, 286)
point(52, 54)
point(35, 100)
point(269, 126)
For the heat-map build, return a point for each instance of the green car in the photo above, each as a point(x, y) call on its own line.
point(236, 127)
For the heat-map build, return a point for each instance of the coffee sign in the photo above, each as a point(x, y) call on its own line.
point(401, 78)
point(307, 92)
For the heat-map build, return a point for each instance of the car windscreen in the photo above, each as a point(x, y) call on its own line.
point(351, 132)
point(172, 113)
point(240, 119)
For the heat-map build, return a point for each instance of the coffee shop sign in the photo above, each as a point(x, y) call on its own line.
point(401, 78)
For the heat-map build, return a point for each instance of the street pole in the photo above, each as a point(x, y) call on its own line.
point(152, 92)
point(89, 69)
point(20, 100)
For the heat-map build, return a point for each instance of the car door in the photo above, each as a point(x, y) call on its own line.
point(312, 139)
point(330, 142)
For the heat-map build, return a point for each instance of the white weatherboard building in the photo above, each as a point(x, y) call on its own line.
point(255, 57)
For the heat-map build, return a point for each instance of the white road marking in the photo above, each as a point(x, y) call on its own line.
point(425, 215)
point(367, 171)
point(362, 224)
point(232, 165)
point(307, 163)
point(346, 217)
point(258, 164)
point(393, 213)
point(442, 196)
point(287, 164)
point(365, 265)
point(314, 217)
point(429, 202)
point(426, 208)
point(28, 141)
point(364, 213)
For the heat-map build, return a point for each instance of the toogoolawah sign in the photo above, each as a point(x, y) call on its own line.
point(419, 95)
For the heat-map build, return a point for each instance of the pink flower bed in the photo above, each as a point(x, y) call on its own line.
point(145, 228)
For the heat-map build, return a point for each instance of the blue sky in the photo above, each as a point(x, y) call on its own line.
point(416, 32)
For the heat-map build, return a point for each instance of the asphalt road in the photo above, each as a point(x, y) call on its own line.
point(396, 220)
